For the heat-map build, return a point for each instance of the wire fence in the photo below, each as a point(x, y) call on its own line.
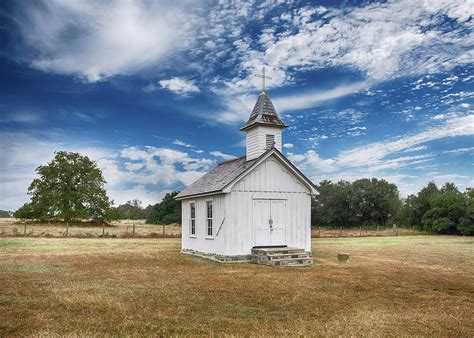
point(119, 229)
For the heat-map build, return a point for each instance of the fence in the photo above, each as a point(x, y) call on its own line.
point(119, 229)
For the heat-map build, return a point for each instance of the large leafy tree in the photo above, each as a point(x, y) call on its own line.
point(70, 187)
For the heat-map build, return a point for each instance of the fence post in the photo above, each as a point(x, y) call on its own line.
point(67, 229)
point(319, 230)
point(133, 229)
point(360, 230)
point(24, 230)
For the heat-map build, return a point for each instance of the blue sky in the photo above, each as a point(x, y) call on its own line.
point(155, 92)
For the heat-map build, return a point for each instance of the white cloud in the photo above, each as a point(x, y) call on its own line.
point(225, 157)
point(140, 192)
point(296, 157)
point(415, 149)
point(238, 107)
point(313, 159)
point(294, 102)
point(97, 39)
point(288, 145)
point(380, 159)
point(182, 143)
point(373, 153)
point(133, 172)
point(459, 150)
point(179, 86)
point(383, 40)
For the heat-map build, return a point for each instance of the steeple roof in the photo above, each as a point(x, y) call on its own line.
point(264, 113)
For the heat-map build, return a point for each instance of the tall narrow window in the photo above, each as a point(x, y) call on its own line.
point(209, 217)
point(270, 141)
point(192, 219)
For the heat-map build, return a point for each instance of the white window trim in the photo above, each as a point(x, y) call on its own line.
point(212, 219)
point(191, 235)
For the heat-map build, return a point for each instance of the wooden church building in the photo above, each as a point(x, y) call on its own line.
point(253, 208)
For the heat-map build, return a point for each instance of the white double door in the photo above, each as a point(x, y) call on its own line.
point(269, 222)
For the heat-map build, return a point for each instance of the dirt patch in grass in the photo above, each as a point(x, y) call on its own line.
point(390, 286)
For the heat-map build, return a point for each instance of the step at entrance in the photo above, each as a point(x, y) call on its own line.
point(281, 257)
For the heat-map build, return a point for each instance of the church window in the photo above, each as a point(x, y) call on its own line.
point(193, 219)
point(209, 217)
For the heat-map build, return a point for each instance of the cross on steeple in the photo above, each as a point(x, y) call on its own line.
point(263, 77)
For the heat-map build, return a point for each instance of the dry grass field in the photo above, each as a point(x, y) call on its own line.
point(124, 228)
point(416, 285)
point(10, 227)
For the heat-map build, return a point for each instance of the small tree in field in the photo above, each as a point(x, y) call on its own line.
point(68, 188)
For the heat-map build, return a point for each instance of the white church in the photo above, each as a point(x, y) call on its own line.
point(253, 208)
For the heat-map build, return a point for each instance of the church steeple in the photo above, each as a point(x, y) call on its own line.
point(263, 128)
point(264, 113)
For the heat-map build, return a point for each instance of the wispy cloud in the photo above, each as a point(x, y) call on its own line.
point(179, 86)
point(220, 154)
point(95, 40)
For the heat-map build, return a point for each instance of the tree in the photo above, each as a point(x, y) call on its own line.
point(416, 206)
point(26, 211)
point(466, 223)
point(365, 201)
point(374, 201)
point(131, 210)
point(68, 188)
point(167, 211)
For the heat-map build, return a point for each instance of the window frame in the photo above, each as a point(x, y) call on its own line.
point(192, 220)
point(272, 138)
point(209, 220)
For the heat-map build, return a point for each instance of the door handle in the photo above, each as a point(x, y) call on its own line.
point(270, 222)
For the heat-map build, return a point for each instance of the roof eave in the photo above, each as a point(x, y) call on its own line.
point(314, 190)
point(256, 124)
point(202, 194)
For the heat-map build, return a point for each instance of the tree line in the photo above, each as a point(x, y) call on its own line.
point(369, 202)
point(168, 211)
point(71, 188)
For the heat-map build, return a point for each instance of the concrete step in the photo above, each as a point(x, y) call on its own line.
point(266, 251)
point(281, 257)
point(289, 255)
point(290, 262)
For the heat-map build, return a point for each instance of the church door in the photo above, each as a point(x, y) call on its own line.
point(269, 222)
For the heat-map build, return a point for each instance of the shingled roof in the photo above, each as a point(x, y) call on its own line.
point(264, 113)
point(216, 179)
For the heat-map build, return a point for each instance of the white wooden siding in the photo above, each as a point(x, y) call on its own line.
point(202, 242)
point(270, 180)
point(256, 140)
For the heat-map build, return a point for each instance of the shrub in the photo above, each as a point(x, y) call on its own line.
point(466, 227)
point(443, 225)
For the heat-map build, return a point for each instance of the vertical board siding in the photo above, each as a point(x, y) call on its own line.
point(270, 180)
point(273, 181)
